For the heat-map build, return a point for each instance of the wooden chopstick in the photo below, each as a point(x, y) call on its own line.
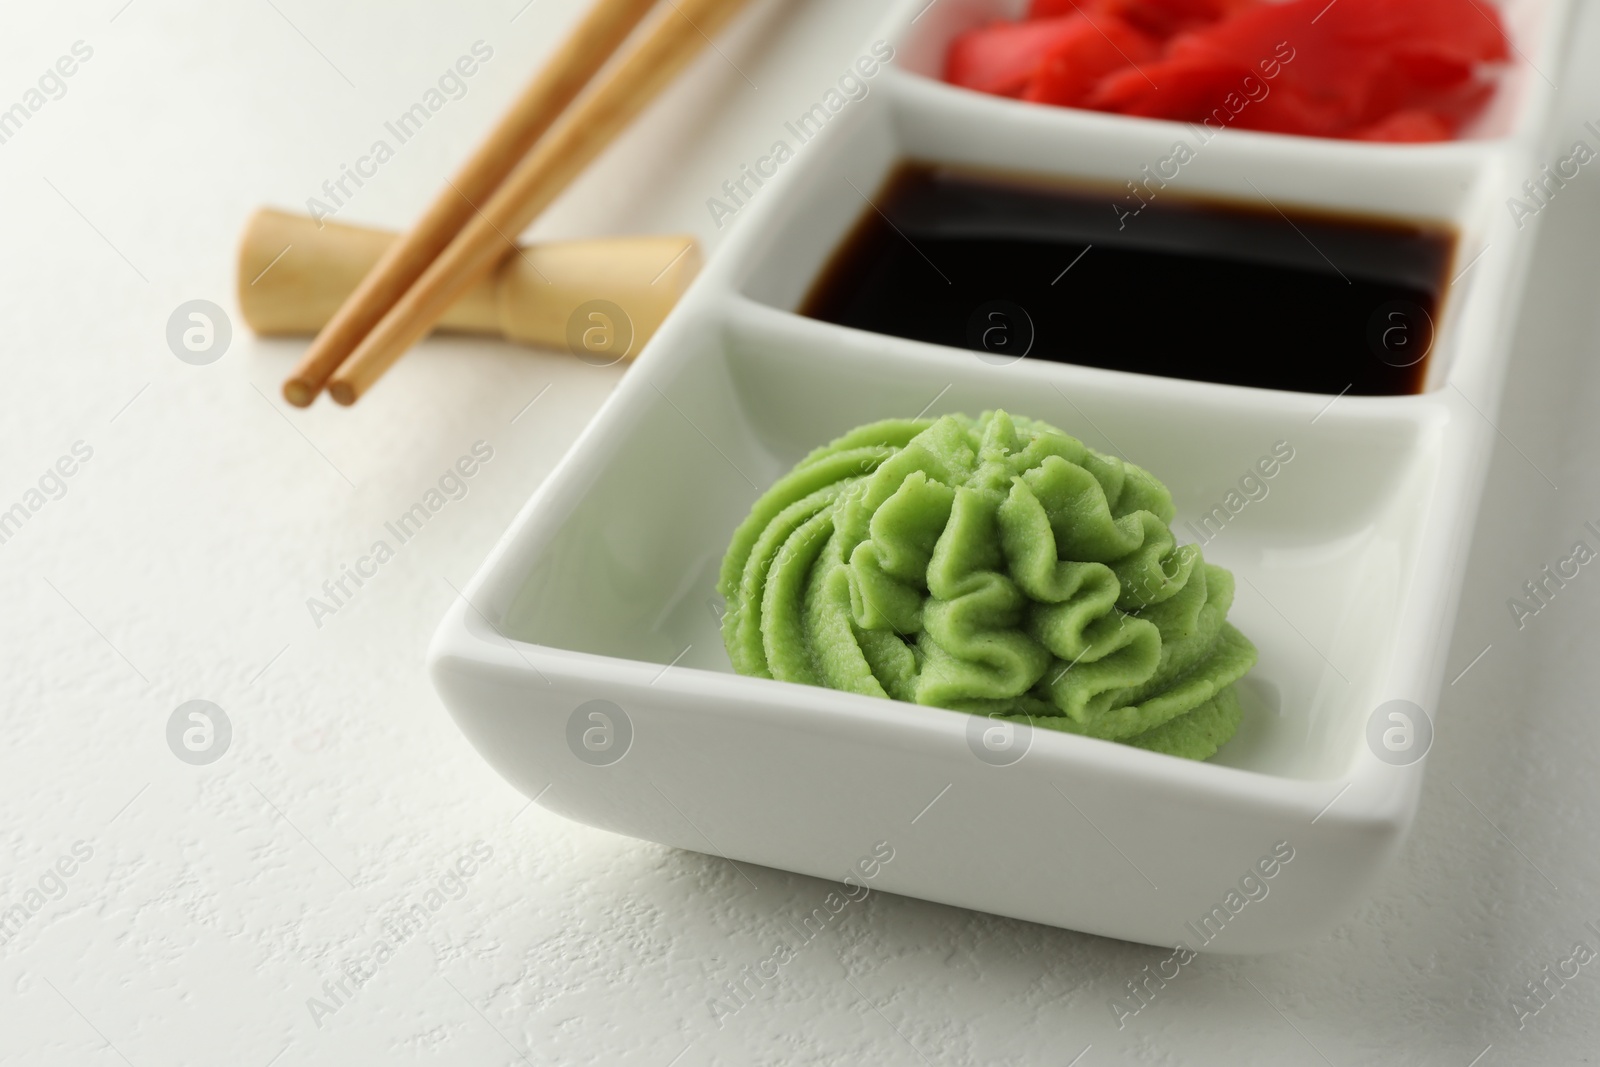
point(578, 59)
point(570, 145)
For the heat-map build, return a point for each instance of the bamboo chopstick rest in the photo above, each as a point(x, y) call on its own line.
point(534, 297)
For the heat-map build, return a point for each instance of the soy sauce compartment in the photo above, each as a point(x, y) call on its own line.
point(1208, 290)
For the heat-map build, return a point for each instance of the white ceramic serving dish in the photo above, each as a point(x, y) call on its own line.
point(585, 662)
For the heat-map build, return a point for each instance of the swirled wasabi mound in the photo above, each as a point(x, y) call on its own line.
point(995, 566)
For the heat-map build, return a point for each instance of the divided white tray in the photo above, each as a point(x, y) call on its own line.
point(585, 662)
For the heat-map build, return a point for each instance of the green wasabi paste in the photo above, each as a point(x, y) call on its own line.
point(994, 566)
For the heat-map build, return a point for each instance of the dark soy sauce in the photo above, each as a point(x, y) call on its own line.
point(1214, 291)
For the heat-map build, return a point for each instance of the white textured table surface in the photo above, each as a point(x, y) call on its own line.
point(207, 905)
